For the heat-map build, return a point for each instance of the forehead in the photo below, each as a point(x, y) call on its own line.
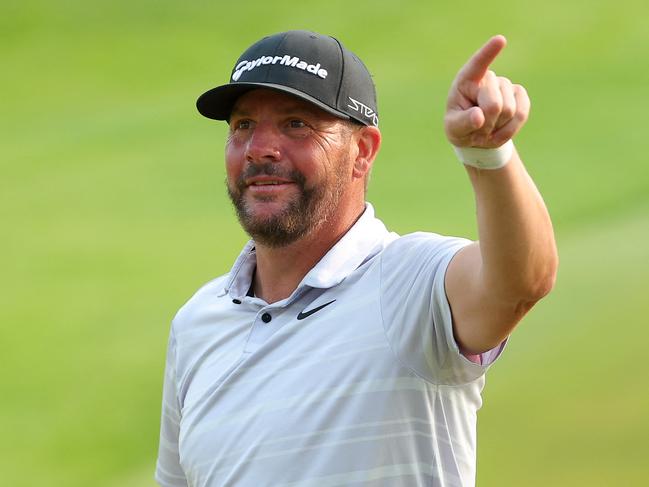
point(277, 102)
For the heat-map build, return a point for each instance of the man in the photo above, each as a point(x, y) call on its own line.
point(335, 352)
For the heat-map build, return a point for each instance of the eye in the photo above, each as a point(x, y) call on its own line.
point(241, 124)
point(297, 124)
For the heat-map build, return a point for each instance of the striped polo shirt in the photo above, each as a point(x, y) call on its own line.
point(353, 380)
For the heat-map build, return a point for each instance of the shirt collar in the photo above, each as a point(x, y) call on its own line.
point(363, 240)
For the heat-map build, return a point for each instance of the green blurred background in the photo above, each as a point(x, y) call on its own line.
point(113, 212)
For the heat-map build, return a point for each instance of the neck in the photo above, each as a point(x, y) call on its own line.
point(281, 269)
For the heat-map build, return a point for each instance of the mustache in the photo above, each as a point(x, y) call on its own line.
point(269, 169)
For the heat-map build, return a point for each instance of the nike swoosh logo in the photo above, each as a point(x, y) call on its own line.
point(306, 314)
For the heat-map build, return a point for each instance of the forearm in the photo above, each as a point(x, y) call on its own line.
point(517, 247)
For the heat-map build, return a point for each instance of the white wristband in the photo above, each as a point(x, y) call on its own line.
point(486, 158)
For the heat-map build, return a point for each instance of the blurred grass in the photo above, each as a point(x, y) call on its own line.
point(113, 212)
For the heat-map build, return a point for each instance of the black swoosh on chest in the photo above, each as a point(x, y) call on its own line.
point(305, 314)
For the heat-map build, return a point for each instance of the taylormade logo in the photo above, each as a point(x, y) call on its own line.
point(364, 110)
point(286, 60)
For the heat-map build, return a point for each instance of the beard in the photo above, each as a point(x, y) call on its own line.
point(302, 214)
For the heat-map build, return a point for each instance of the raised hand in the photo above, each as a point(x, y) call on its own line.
point(484, 110)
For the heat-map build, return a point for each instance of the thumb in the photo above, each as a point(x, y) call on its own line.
point(460, 123)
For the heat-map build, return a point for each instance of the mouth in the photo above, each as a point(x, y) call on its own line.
point(266, 180)
point(267, 186)
point(268, 183)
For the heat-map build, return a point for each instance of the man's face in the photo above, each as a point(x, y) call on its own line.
point(288, 166)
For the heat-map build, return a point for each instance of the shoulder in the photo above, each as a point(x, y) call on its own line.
point(208, 292)
point(413, 263)
point(414, 247)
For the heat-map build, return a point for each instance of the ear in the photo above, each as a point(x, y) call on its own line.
point(368, 141)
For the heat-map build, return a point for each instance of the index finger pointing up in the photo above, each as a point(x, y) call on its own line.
point(477, 66)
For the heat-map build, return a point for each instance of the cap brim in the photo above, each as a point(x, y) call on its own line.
point(218, 102)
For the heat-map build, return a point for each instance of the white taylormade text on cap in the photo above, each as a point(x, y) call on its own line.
point(285, 60)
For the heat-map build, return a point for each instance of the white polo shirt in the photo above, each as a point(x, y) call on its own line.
point(353, 380)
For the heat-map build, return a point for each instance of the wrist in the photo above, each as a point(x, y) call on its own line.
point(486, 158)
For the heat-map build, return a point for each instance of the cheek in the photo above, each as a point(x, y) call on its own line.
point(311, 170)
point(233, 161)
point(313, 161)
point(340, 166)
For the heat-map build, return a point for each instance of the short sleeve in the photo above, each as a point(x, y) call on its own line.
point(169, 473)
point(416, 313)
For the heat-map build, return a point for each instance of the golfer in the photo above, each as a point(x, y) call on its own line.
point(335, 352)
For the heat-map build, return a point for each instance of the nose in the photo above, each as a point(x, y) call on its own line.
point(263, 144)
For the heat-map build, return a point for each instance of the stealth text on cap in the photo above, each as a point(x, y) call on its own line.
point(286, 60)
point(364, 110)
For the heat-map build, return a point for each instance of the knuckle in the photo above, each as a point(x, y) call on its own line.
point(521, 115)
point(492, 107)
point(506, 115)
point(505, 81)
point(520, 91)
point(467, 86)
point(508, 111)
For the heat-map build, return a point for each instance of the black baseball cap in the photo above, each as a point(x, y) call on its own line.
point(311, 66)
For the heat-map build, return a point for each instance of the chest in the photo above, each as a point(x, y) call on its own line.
point(265, 350)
